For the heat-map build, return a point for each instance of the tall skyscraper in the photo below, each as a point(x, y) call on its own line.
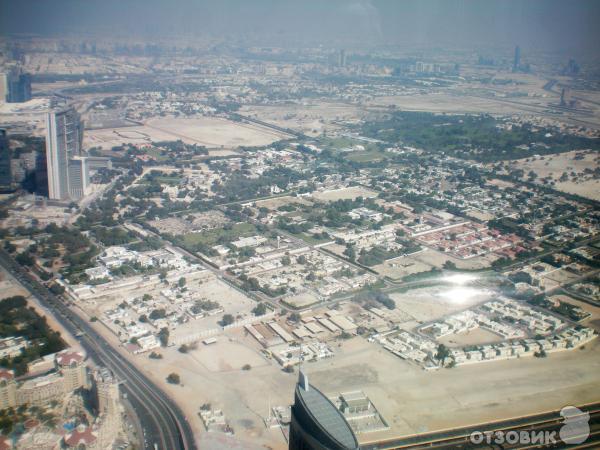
point(517, 60)
point(316, 422)
point(5, 163)
point(3, 86)
point(64, 135)
point(342, 58)
point(21, 91)
point(15, 86)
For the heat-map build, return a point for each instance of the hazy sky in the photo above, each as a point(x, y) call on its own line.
point(548, 24)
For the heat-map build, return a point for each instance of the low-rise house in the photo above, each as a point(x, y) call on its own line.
point(474, 355)
point(488, 352)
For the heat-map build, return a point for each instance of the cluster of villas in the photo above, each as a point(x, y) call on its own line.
point(525, 332)
point(137, 320)
point(422, 350)
point(465, 240)
point(385, 236)
point(311, 272)
point(148, 265)
point(567, 339)
point(504, 317)
point(114, 257)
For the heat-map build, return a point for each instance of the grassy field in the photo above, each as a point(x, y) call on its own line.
point(156, 153)
point(171, 180)
point(310, 239)
point(212, 237)
point(338, 143)
point(367, 156)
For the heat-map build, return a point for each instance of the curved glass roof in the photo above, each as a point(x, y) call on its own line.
point(327, 416)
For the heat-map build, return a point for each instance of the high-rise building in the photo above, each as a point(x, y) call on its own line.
point(71, 365)
point(342, 58)
point(25, 87)
point(316, 422)
point(107, 392)
point(8, 389)
point(64, 135)
point(15, 86)
point(3, 86)
point(5, 163)
point(78, 177)
point(517, 60)
point(41, 175)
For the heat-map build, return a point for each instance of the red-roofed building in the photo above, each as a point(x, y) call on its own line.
point(6, 374)
point(31, 423)
point(69, 358)
point(81, 436)
point(72, 367)
point(5, 443)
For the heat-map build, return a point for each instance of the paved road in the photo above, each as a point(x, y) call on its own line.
point(460, 437)
point(165, 426)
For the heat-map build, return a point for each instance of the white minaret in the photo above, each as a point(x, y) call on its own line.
point(302, 377)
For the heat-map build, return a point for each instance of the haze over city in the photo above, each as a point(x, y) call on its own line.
point(540, 24)
point(352, 224)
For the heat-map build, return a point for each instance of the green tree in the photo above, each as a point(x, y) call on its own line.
point(520, 277)
point(449, 265)
point(25, 259)
point(163, 336)
point(350, 252)
point(260, 309)
point(442, 353)
point(174, 378)
point(57, 289)
point(227, 319)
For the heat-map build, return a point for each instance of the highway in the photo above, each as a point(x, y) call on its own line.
point(165, 426)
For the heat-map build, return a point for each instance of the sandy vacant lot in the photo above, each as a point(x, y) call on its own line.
point(400, 267)
point(215, 131)
point(231, 300)
point(431, 303)
point(212, 132)
point(414, 401)
point(437, 259)
point(276, 202)
point(555, 165)
point(227, 355)
point(312, 119)
point(478, 336)
point(445, 102)
point(212, 374)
